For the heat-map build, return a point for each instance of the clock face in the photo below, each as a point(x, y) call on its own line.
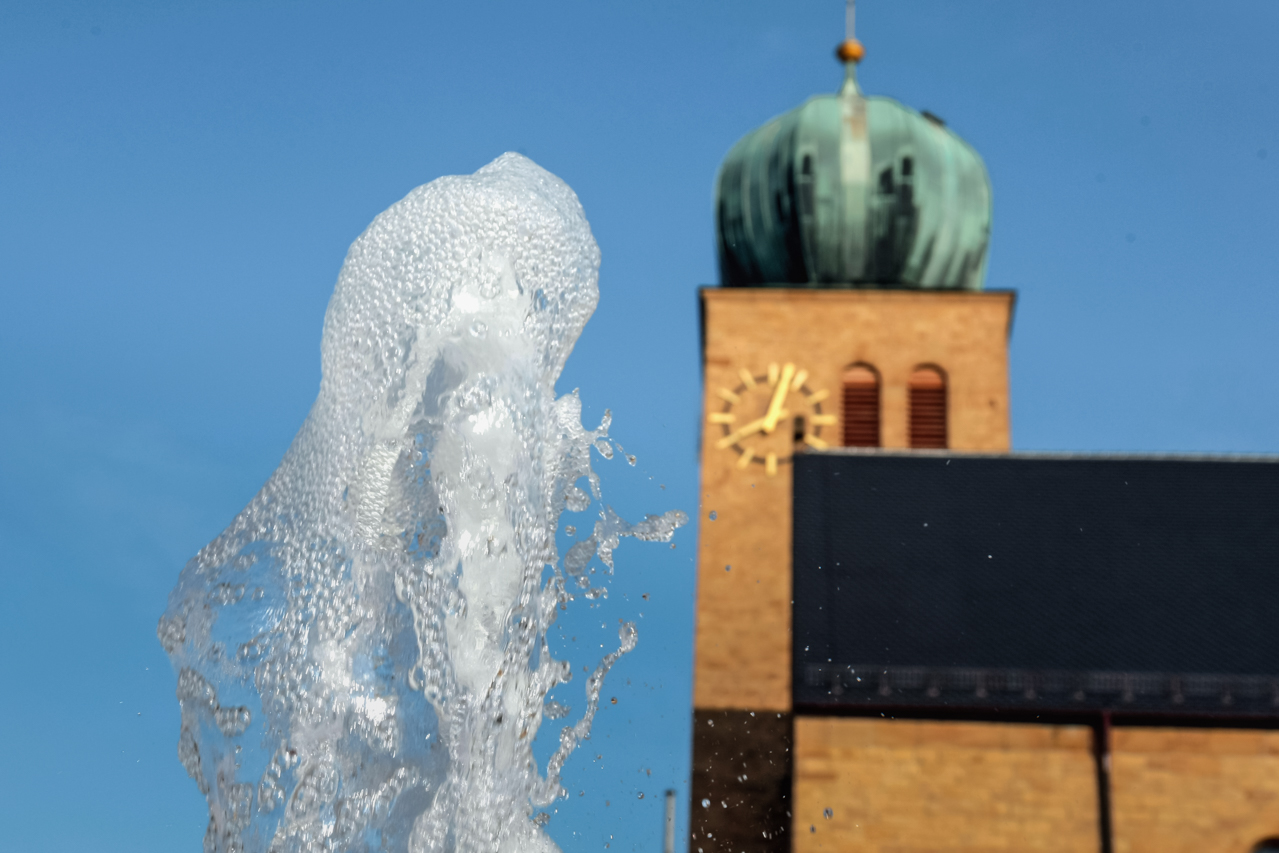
point(767, 414)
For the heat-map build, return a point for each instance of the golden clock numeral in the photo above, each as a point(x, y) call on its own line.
point(728, 396)
point(772, 373)
point(815, 442)
point(823, 420)
point(799, 380)
point(818, 396)
point(770, 464)
point(745, 458)
point(721, 417)
point(747, 379)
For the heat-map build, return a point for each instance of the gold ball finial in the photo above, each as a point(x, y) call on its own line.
point(850, 50)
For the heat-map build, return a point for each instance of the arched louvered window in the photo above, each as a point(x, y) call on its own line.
point(861, 406)
point(928, 408)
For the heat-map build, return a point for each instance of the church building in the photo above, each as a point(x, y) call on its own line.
point(910, 638)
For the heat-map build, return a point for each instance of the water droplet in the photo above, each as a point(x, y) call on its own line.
point(828, 813)
point(706, 804)
point(641, 795)
point(728, 568)
point(714, 515)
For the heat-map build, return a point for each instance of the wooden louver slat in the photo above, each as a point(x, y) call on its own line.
point(928, 409)
point(861, 407)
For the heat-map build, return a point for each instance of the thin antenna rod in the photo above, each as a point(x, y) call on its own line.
point(850, 19)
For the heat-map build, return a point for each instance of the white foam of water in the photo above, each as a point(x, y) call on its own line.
point(362, 657)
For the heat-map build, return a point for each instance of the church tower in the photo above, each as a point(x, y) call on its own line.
point(852, 235)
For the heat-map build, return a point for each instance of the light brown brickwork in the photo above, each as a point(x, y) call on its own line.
point(902, 786)
point(743, 615)
point(1200, 790)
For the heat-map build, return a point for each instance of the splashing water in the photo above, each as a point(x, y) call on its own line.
point(362, 656)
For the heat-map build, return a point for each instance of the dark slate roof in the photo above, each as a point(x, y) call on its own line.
point(1036, 582)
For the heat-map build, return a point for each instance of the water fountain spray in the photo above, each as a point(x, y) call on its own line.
point(362, 654)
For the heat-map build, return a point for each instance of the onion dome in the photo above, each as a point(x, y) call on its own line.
point(846, 191)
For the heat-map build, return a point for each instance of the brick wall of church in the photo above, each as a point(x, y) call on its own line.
point(904, 786)
point(742, 650)
point(1201, 790)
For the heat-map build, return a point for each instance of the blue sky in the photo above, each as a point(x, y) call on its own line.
point(179, 183)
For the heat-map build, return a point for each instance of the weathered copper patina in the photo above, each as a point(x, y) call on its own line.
point(847, 191)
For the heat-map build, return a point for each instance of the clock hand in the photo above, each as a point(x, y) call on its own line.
point(779, 397)
point(747, 430)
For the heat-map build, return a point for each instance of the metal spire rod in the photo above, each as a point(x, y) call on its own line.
point(850, 51)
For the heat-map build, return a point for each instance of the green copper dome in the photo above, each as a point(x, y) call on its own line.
point(847, 191)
